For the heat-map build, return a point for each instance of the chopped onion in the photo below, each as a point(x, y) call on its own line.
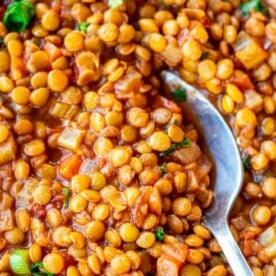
point(268, 236)
point(268, 240)
point(71, 138)
point(253, 99)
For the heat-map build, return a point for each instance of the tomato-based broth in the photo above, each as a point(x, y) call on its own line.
point(100, 172)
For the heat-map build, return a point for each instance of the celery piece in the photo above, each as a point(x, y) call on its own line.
point(20, 261)
point(62, 110)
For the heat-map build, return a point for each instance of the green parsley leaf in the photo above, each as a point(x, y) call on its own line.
point(185, 143)
point(163, 168)
point(38, 269)
point(175, 122)
point(179, 95)
point(252, 5)
point(66, 193)
point(246, 162)
point(159, 234)
point(18, 15)
point(204, 55)
point(83, 26)
point(115, 3)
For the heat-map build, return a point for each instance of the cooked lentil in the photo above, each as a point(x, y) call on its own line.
point(82, 110)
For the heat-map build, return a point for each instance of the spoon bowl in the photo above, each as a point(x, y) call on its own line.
point(228, 177)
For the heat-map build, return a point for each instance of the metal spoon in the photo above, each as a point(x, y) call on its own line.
point(229, 170)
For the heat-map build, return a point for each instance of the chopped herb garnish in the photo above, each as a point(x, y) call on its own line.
point(115, 3)
point(18, 15)
point(252, 5)
point(83, 26)
point(66, 193)
point(159, 234)
point(38, 269)
point(175, 122)
point(162, 4)
point(163, 168)
point(246, 162)
point(204, 55)
point(222, 255)
point(179, 95)
point(185, 143)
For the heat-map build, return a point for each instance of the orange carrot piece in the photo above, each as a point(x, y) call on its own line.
point(70, 166)
point(18, 67)
point(53, 51)
point(161, 101)
point(166, 266)
point(137, 215)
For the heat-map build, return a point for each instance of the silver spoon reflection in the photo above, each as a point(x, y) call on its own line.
point(229, 170)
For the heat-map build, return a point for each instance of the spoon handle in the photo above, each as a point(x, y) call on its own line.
point(232, 251)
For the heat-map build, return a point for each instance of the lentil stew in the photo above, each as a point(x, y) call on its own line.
point(100, 174)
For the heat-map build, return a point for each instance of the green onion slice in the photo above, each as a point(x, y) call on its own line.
point(204, 55)
point(38, 269)
point(20, 261)
point(163, 168)
point(185, 143)
point(246, 162)
point(19, 15)
point(66, 193)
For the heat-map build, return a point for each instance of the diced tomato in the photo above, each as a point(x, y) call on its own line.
point(38, 210)
point(161, 101)
point(137, 211)
point(250, 247)
point(177, 251)
point(242, 80)
point(53, 51)
point(167, 266)
point(249, 234)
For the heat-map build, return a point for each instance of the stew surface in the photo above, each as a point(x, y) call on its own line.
point(100, 174)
